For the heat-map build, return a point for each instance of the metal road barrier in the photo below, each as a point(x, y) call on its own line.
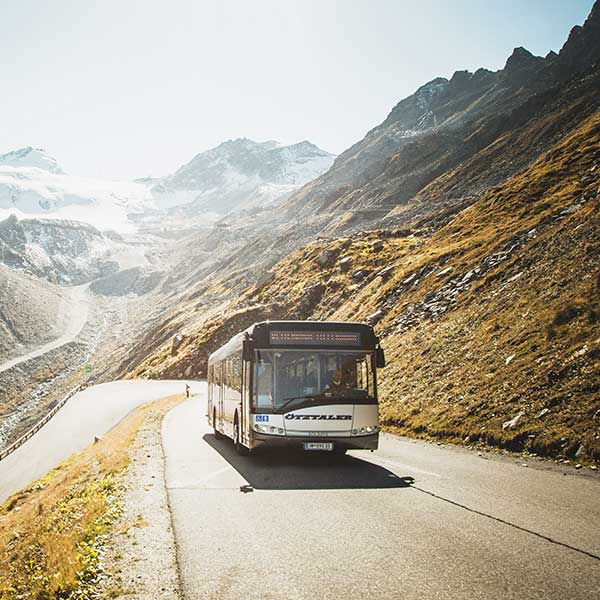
point(10, 449)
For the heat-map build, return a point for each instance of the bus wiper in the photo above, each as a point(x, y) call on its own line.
point(288, 401)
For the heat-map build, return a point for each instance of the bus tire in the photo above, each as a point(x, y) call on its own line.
point(237, 443)
point(218, 434)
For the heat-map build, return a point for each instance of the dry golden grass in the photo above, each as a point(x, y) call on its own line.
point(449, 378)
point(51, 532)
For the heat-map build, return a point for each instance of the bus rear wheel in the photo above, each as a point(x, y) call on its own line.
point(217, 433)
point(237, 442)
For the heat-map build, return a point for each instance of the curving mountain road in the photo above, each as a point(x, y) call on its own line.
point(412, 520)
point(91, 412)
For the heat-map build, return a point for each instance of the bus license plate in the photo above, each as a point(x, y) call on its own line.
point(318, 446)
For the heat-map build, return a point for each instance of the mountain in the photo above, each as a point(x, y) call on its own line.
point(491, 324)
point(241, 174)
point(236, 175)
point(468, 120)
point(465, 229)
point(30, 157)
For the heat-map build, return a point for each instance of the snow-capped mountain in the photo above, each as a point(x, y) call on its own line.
point(33, 185)
point(30, 157)
point(241, 174)
point(236, 174)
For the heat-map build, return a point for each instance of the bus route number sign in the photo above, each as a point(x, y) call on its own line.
point(315, 338)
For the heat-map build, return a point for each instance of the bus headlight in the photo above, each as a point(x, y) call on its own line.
point(270, 429)
point(365, 430)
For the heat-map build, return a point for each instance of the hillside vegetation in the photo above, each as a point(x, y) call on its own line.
point(491, 324)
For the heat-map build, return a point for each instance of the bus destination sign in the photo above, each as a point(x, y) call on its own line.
point(315, 338)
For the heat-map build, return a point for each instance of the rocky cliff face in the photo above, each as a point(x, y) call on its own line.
point(58, 251)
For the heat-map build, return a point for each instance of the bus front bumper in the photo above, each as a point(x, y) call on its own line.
point(355, 442)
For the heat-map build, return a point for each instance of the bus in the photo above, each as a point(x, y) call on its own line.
point(304, 384)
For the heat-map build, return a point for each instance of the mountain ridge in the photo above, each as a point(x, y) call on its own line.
point(31, 157)
point(428, 126)
point(242, 173)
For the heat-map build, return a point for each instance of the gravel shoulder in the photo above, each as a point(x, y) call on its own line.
point(140, 557)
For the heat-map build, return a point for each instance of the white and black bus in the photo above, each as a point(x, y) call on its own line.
point(309, 384)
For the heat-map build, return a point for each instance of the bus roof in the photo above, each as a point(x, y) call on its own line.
point(297, 334)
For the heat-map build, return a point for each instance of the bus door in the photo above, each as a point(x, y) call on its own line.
point(221, 392)
point(246, 396)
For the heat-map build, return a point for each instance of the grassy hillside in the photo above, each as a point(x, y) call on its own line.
point(491, 324)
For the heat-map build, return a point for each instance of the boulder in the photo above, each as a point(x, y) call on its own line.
point(345, 263)
point(512, 422)
point(265, 278)
point(385, 273)
point(326, 258)
point(445, 271)
point(177, 341)
point(375, 317)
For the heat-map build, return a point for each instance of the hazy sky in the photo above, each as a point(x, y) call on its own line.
point(119, 88)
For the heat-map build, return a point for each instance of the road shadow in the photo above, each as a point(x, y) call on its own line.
point(282, 469)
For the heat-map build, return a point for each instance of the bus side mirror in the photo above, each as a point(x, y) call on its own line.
point(379, 358)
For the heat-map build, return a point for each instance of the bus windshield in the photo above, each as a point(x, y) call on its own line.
point(289, 378)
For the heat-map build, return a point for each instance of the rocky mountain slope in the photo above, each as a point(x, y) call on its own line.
point(241, 174)
point(491, 324)
point(469, 121)
point(64, 252)
point(480, 271)
point(30, 312)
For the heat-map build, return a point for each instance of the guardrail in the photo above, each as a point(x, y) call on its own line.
point(16, 444)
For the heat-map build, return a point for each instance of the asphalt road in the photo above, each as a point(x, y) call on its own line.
point(89, 413)
point(412, 520)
